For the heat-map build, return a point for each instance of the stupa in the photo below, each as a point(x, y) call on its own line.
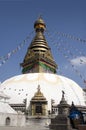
point(39, 69)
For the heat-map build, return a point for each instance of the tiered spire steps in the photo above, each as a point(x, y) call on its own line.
point(39, 57)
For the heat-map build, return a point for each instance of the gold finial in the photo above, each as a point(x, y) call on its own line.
point(39, 24)
point(40, 16)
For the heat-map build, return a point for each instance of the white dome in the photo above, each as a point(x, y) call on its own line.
point(25, 85)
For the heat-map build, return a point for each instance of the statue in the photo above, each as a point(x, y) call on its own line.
point(63, 94)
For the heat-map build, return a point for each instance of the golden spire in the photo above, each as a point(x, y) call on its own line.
point(39, 57)
point(38, 95)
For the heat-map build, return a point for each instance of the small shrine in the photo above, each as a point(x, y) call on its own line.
point(61, 121)
point(38, 104)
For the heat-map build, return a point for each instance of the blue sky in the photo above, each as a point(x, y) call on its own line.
point(67, 17)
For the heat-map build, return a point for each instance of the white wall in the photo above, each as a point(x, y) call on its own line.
point(15, 119)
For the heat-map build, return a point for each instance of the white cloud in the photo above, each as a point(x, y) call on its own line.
point(79, 61)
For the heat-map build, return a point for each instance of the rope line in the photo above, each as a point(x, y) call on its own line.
point(5, 58)
point(59, 46)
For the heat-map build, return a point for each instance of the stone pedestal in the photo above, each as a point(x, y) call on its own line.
point(60, 122)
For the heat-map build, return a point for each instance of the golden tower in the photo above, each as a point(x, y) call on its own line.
point(38, 57)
